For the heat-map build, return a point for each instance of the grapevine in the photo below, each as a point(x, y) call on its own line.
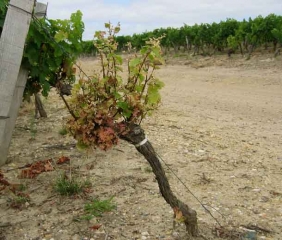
point(105, 104)
point(52, 46)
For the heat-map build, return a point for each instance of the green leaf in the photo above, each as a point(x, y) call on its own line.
point(144, 50)
point(46, 89)
point(116, 95)
point(153, 96)
point(81, 146)
point(117, 29)
point(58, 52)
point(32, 56)
point(134, 62)
point(34, 72)
point(159, 84)
point(139, 88)
point(125, 109)
point(60, 36)
point(2, 20)
point(118, 59)
point(141, 77)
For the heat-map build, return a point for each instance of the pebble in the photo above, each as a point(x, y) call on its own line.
point(256, 190)
point(176, 235)
point(145, 234)
point(264, 199)
point(75, 237)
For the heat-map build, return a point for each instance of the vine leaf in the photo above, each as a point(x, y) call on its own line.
point(60, 36)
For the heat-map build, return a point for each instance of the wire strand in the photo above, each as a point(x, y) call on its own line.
point(19, 8)
point(185, 186)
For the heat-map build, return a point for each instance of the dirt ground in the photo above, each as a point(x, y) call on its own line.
point(219, 128)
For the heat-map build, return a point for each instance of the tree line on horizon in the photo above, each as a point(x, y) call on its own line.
point(207, 39)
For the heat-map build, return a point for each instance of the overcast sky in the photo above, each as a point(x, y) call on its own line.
point(137, 16)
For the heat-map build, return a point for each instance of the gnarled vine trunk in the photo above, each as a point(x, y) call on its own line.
point(136, 136)
point(39, 108)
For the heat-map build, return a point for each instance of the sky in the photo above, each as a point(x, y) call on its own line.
point(137, 16)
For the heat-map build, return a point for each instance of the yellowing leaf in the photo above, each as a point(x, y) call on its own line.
point(60, 36)
point(178, 215)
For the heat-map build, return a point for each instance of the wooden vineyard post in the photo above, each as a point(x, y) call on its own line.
point(12, 77)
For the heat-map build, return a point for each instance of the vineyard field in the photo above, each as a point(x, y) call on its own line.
point(219, 128)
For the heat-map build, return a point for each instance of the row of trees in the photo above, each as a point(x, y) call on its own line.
point(205, 38)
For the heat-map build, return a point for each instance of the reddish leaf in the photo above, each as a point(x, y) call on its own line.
point(4, 182)
point(96, 227)
point(37, 168)
point(62, 160)
point(178, 214)
point(48, 167)
point(1, 175)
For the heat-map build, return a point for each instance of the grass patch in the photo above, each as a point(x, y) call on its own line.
point(19, 201)
point(148, 169)
point(63, 131)
point(22, 187)
point(97, 207)
point(32, 127)
point(67, 187)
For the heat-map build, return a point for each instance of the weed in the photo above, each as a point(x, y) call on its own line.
point(19, 200)
point(98, 207)
point(63, 131)
point(32, 127)
point(148, 169)
point(87, 183)
point(67, 187)
point(87, 217)
point(22, 187)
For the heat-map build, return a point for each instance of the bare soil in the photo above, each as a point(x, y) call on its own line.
point(219, 129)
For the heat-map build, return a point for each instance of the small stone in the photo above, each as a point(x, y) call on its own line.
point(256, 190)
point(156, 219)
point(250, 235)
point(175, 235)
point(143, 237)
point(75, 237)
point(264, 199)
point(145, 234)
point(263, 215)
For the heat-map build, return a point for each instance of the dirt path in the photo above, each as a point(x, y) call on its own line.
point(219, 129)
